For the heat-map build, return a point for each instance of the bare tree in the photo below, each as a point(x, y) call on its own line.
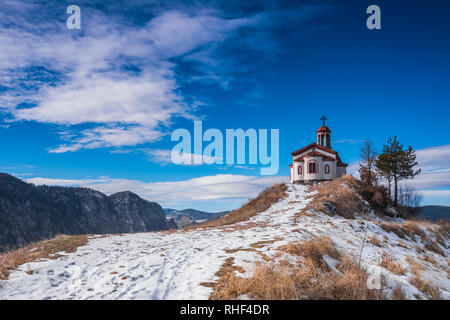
point(408, 197)
point(368, 155)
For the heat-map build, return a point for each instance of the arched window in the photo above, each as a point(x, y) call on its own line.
point(312, 167)
point(299, 170)
point(327, 168)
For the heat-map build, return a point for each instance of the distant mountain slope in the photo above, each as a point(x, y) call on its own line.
point(434, 213)
point(183, 221)
point(195, 214)
point(31, 213)
point(168, 211)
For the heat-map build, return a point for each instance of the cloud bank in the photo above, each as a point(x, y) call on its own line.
point(119, 80)
point(202, 191)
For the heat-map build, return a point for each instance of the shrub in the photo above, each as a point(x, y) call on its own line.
point(377, 196)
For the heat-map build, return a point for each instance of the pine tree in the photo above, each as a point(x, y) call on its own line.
point(383, 165)
point(396, 164)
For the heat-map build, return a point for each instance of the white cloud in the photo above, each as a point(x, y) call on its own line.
point(64, 182)
point(113, 136)
point(86, 80)
point(435, 165)
point(206, 188)
point(430, 179)
point(353, 169)
point(434, 158)
point(438, 193)
point(120, 70)
point(348, 141)
point(161, 156)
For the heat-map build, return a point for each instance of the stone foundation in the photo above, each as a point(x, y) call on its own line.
point(310, 182)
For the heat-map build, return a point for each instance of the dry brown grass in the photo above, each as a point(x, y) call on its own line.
point(286, 282)
point(41, 250)
point(432, 246)
point(393, 227)
point(374, 240)
point(263, 243)
point(240, 249)
point(313, 251)
point(398, 293)
point(390, 264)
point(259, 204)
point(402, 244)
point(429, 258)
point(336, 197)
point(414, 266)
point(283, 280)
point(429, 289)
point(414, 229)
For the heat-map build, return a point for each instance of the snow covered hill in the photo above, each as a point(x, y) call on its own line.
point(180, 264)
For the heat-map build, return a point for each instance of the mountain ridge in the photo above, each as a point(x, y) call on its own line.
point(31, 213)
point(434, 212)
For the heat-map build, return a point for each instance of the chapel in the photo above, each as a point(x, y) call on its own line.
point(317, 161)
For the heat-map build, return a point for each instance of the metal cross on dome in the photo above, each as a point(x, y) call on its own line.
point(323, 119)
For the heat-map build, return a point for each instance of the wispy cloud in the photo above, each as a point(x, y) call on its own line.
point(163, 156)
point(348, 141)
point(438, 193)
point(118, 81)
point(65, 182)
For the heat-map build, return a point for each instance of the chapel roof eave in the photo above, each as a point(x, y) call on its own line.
point(312, 145)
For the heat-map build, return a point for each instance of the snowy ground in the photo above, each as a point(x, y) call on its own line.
point(166, 265)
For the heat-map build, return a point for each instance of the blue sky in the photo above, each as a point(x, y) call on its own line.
point(96, 106)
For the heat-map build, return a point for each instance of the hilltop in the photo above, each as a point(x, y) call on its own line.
point(290, 242)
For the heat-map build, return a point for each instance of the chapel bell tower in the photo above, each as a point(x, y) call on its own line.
point(323, 135)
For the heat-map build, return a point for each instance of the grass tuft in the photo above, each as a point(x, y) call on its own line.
point(41, 250)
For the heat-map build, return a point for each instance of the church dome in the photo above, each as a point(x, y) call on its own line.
point(324, 128)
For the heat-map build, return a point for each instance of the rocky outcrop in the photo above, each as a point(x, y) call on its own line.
point(31, 213)
point(171, 224)
point(193, 215)
point(183, 221)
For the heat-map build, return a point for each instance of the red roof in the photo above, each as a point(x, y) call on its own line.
point(324, 129)
point(340, 163)
point(315, 154)
point(312, 145)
